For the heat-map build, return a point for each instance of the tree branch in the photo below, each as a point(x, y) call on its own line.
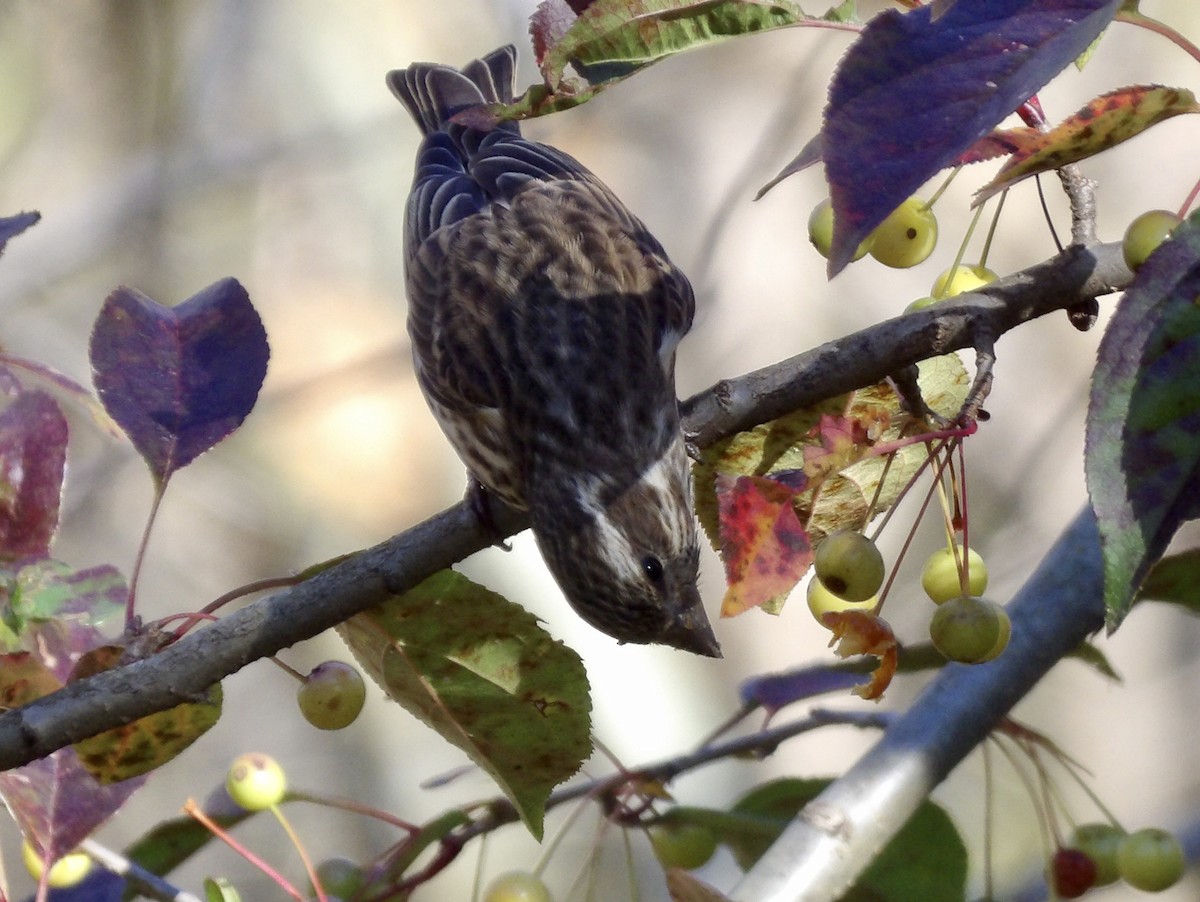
point(183, 671)
point(836, 836)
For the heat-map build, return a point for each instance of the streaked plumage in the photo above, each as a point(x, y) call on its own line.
point(544, 320)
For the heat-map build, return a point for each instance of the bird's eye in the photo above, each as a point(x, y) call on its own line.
point(653, 568)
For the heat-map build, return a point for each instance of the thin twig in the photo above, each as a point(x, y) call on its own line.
point(186, 669)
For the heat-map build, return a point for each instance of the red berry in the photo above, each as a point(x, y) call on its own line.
point(1072, 872)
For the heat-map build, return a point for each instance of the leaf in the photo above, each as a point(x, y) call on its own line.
point(911, 94)
point(763, 545)
point(57, 804)
point(480, 671)
point(1142, 455)
point(56, 609)
point(1089, 654)
point(925, 862)
point(12, 226)
point(24, 678)
point(52, 589)
point(145, 744)
point(1174, 579)
point(826, 457)
point(1103, 123)
point(614, 38)
point(609, 40)
point(178, 379)
point(65, 389)
point(33, 456)
point(170, 843)
point(218, 889)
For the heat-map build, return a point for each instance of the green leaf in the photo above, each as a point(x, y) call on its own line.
point(613, 39)
point(1174, 579)
point(49, 589)
point(925, 862)
point(219, 889)
point(139, 747)
point(1089, 654)
point(171, 843)
point(481, 671)
point(1142, 456)
point(1103, 123)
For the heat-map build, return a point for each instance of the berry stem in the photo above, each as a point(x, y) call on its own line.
point(560, 834)
point(193, 810)
point(987, 242)
point(287, 668)
point(357, 808)
point(1189, 200)
point(942, 188)
point(989, 820)
point(1030, 790)
point(309, 870)
point(912, 533)
point(480, 862)
point(962, 248)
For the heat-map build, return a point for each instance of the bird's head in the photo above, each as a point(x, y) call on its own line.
point(628, 563)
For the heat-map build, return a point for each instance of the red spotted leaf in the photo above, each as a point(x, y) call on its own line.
point(999, 143)
point(843, 440)
point(764, 547)
point(33, 454)
point(1103, 123)
point(179, 379)
point(1142, 456)
point(139, 747)
point(915, 91)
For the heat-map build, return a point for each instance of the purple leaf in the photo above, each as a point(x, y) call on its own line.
point(1142, 455)
point(33, 453)
point(57, 804)
point(179, 379)
point(12, 226)
point(912, 94)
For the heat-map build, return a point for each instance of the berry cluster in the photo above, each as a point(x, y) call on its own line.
point(906, 238)
point(1100, 854)
point(966, 627)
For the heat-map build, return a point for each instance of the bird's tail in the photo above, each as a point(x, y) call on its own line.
point(432, 92)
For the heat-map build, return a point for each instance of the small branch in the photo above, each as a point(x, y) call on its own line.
point(873, 354)
point(761, 744)
point(136, 877)
point(186, 669)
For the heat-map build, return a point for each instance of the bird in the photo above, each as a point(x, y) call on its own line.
point(544, 319)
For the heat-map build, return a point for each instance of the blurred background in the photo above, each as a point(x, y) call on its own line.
point(170, 144)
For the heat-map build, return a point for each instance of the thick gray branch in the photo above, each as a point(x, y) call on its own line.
point(837, 835)
point(183, 671)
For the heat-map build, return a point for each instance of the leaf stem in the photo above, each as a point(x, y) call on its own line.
point(1141, 20)
point(160, 489)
